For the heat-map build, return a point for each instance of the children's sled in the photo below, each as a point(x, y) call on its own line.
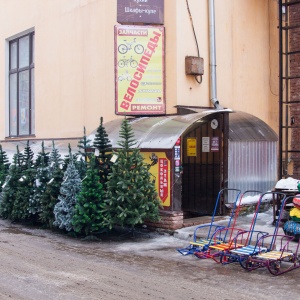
point(250, 238)
point(225, 239)
point(204, 234)
point(282, 253)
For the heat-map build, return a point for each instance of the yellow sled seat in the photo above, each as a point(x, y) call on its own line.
point(205, 242)
point(274, 255)
point(225, 246)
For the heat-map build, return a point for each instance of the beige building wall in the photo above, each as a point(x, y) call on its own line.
point(246, 55)
point(74, 59)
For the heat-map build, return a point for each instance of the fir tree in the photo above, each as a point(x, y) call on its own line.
point(55, 160)
point(28, 156)
point(4, 166)
point(68, 158)
point(10, 186)
point(103, 153)
point(79, 163)
point(25, 187)
point(42, 177)
point(50, 198)
point(81, 167)
point(18, 158)
point(84, 145)
point(88, 216)
point(70, 188)
point(131, 195)
point(42, 155)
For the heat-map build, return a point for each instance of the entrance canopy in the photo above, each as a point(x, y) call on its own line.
point(246, 127)
point(156, 132)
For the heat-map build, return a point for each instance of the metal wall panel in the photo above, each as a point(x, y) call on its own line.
point(252, 165)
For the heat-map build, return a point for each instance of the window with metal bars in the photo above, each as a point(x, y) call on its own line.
point(21, 86)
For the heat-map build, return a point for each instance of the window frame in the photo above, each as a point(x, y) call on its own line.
point(30, 68)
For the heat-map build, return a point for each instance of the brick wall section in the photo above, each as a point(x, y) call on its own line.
point(294, 43)
point(170, 220)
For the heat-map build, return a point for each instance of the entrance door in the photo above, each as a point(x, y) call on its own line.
point(203, 165)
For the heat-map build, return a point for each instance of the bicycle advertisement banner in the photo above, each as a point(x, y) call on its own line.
point(139, 70)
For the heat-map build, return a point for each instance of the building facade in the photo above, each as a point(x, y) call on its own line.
point(58, 62)
point(67, 63)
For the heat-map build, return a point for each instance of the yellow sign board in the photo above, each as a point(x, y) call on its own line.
point(139, 70)
point(161, 174)
point(191, 146)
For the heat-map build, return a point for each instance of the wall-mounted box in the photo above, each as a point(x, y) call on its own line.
point(194, 65)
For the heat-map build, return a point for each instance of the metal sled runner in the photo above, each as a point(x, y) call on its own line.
point(278, 261)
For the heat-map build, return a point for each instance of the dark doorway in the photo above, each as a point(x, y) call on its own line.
point(204, 170)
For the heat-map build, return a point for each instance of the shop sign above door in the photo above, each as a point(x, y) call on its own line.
point(139, 70)
point(140, 11)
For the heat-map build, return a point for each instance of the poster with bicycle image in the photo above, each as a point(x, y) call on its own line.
point(139, 70)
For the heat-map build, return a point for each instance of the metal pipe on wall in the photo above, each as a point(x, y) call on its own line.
point(212, 54)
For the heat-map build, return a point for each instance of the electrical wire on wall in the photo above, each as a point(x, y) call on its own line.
point(188, 8)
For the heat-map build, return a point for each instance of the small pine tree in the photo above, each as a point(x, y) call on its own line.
point(41, 179)
point(79, 163)
point(68, 158)
point(50, 198)
point(4, 166)
point(25, 187)
point(42, 155)
point(81, 167)
point(55, 160)
point(10, 187)
point(70, 188)
point(28, 156)
point(104, 147)
point(84, 145)
point(131, 194)
point(88, 216)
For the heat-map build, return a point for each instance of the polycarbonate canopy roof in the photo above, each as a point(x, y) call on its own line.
point(163, 132)
point(246, 127)
point(156, 132)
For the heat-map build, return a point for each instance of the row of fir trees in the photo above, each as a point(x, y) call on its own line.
point(86, 192)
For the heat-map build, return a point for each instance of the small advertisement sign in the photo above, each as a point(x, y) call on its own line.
point(215, 145)
point(161, 174)
point(163, 179)
point(177, 152)
point(205, 144)
point(177, 158)
point(140, 11)
point(191, 146)
point(139, 70)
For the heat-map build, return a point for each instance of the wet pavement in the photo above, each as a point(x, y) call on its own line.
point(42, 264)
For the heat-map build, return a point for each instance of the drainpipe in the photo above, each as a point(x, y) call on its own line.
point(212, 55)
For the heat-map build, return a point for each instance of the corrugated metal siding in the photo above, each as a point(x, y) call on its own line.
point(252, 165)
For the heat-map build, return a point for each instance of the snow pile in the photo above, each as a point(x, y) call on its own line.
point(287, 184)
point(250, 199)
point(254, 199)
